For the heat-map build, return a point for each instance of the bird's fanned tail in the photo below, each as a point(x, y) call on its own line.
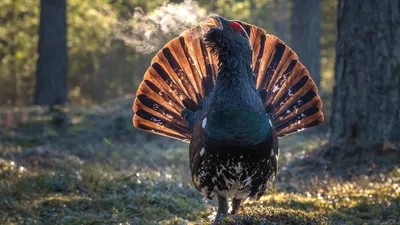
point(183, 74)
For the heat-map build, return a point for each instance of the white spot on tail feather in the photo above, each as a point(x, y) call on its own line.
point(155, 106)
point(275, 88)
point(202, 151)
point(203, 124)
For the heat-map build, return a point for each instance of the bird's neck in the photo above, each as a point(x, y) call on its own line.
point(235, 71)
point(235, 82)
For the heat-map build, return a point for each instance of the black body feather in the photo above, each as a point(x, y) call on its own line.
point(220, 168)
point(233, 150)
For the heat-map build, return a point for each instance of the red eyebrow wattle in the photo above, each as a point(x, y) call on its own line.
point(235, 25)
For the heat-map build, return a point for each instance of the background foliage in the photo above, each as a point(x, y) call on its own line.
point(101, 66)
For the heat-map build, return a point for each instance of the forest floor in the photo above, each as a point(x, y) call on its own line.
point(100, 170)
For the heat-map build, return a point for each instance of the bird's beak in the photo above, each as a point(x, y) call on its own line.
point(213, 21)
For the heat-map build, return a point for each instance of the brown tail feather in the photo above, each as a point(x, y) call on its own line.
point(291, 94)
point(180, 76)
point(184, 72)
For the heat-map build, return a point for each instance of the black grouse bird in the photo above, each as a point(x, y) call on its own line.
point(230, 90)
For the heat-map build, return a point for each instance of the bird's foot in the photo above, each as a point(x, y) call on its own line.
point(219, 219)
point(222, 210)
point(236, 205)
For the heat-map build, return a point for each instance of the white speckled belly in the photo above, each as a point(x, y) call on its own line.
point(233, 176)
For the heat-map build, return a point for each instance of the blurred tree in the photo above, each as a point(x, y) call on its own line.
point(306, 33)
point(328, 41)
point(366, 98)
point(52, 65)
point(89, 42)
point(281, 19)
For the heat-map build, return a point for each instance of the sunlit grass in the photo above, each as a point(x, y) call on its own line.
point(100, 192)
point(367, 199)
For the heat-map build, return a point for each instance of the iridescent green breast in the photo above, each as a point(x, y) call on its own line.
point(243, 127)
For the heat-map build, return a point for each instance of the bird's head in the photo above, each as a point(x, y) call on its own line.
point(226, 37)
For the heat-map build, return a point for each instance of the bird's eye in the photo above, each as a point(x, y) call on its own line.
point(234, 26)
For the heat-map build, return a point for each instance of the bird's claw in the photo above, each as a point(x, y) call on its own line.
point(219, 219)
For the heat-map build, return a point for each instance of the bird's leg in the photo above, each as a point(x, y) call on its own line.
point(236, 202)
point(222, 209)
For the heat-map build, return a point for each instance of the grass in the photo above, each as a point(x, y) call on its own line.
point(99, 170)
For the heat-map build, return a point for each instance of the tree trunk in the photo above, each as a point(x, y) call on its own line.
point(366, 98)
point(51, 75)
point(305, 33)
point(281, 20)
